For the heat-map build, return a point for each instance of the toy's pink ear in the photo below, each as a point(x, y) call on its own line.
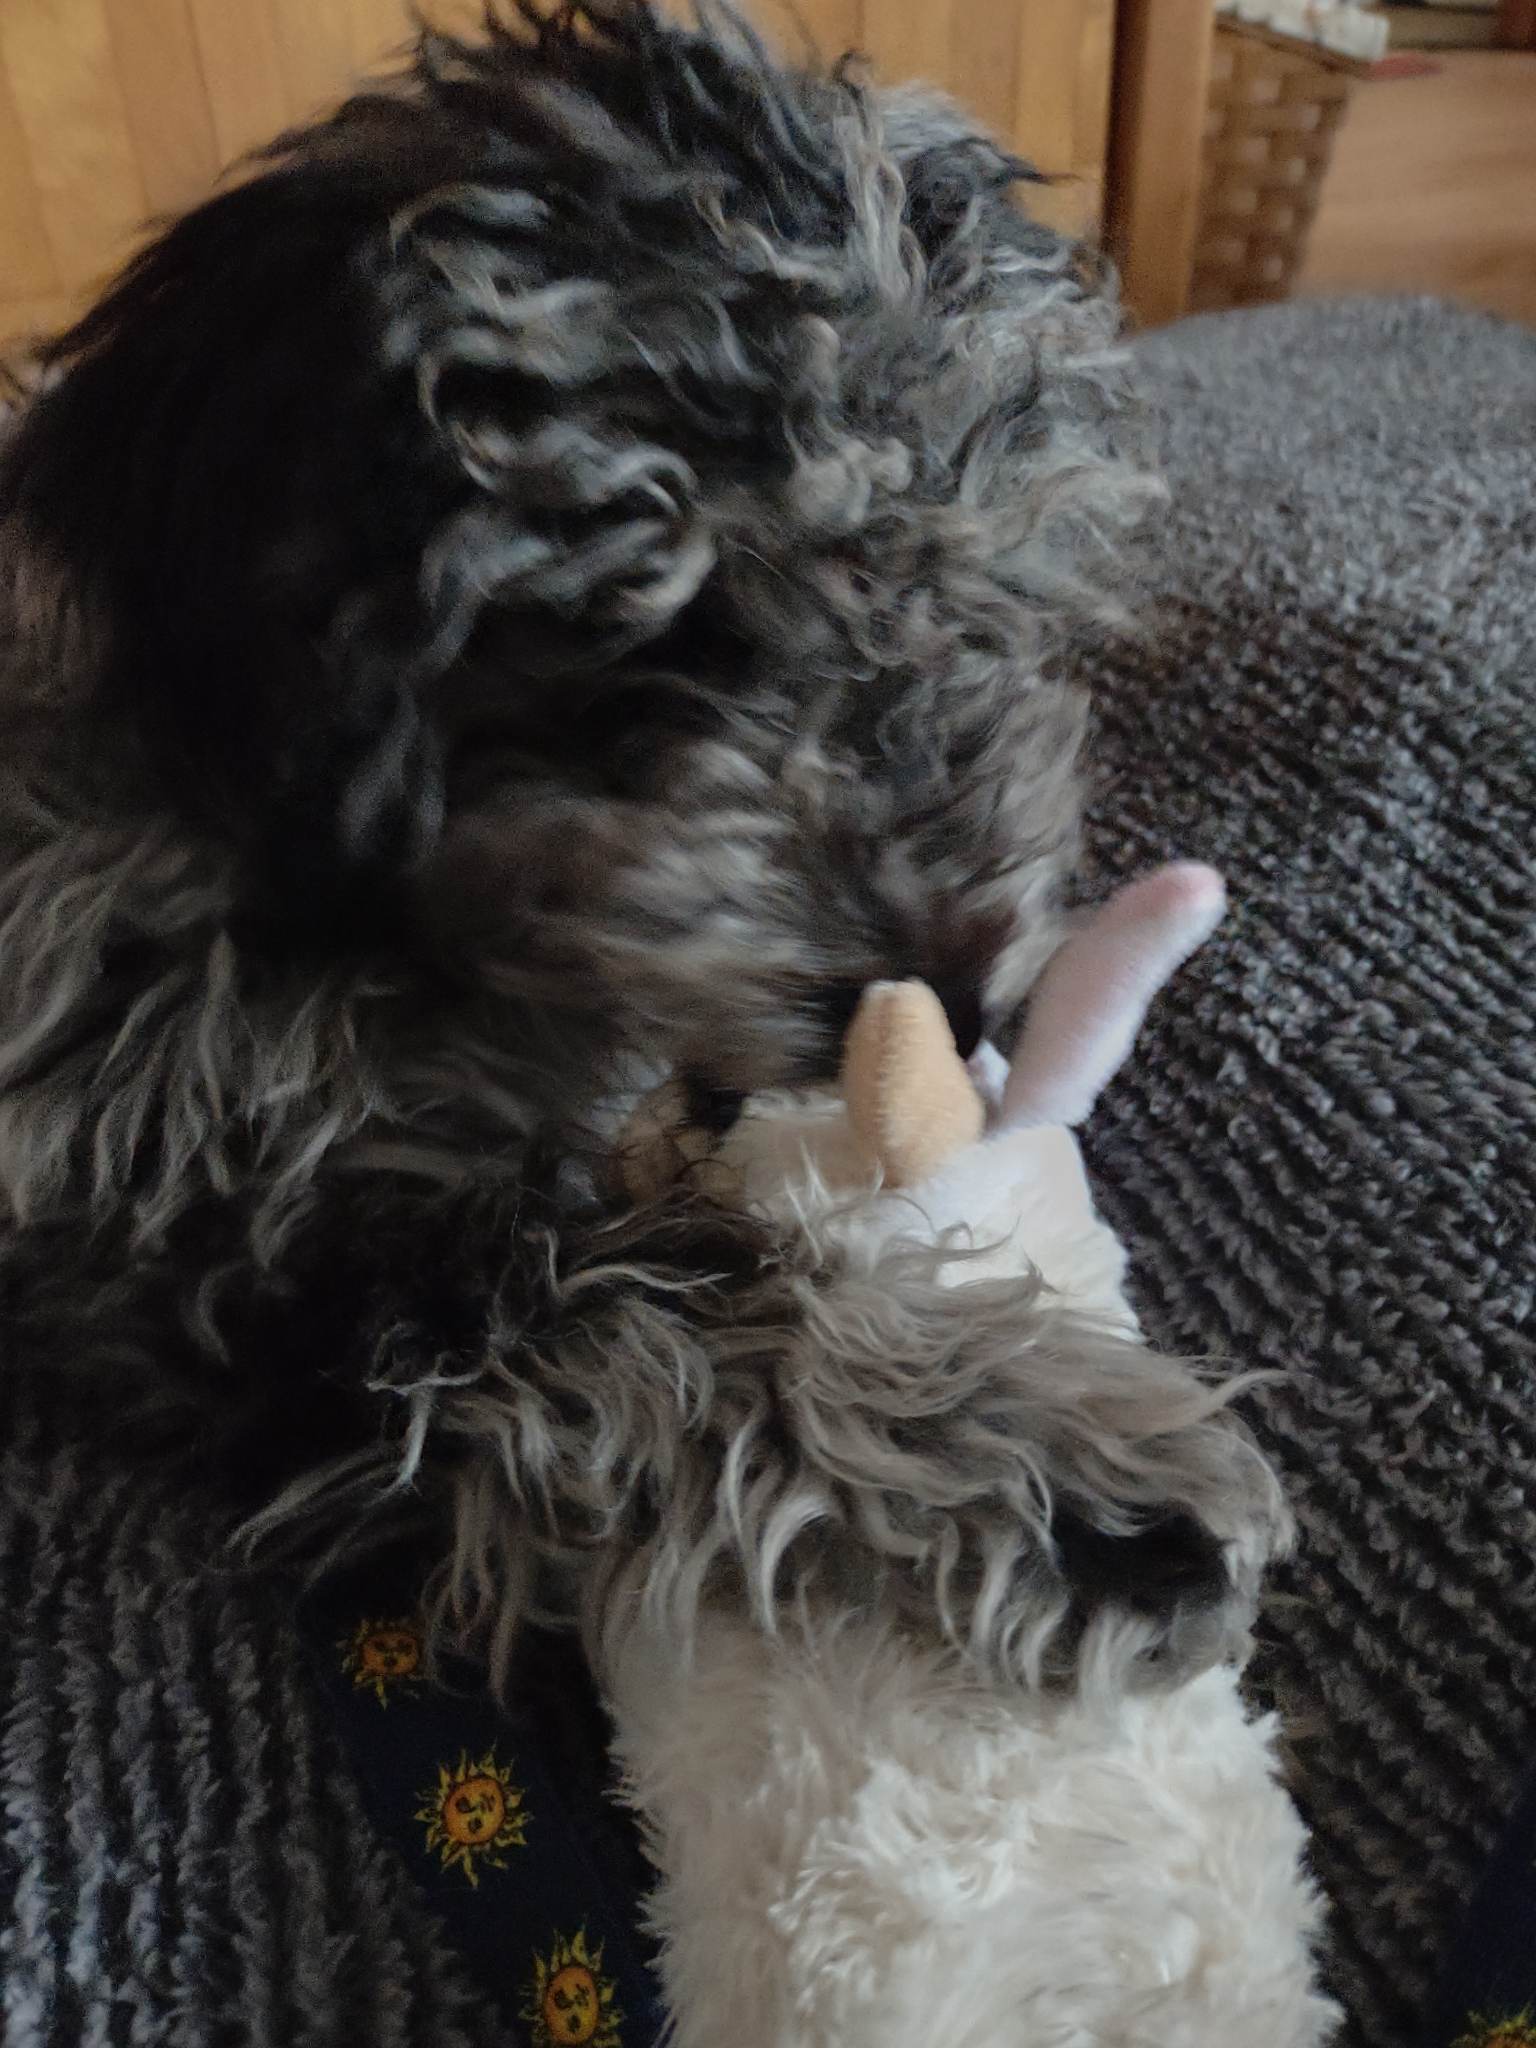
point(1091, 1000)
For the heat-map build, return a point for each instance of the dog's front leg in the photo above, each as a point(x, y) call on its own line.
point(675, 1403)
point(1025, 1484)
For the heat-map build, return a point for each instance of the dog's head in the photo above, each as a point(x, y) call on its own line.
point(577, 552)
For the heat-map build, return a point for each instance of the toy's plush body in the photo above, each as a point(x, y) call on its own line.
point(864, 1845)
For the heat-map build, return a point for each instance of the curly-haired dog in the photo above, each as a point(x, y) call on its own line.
point(566, 573)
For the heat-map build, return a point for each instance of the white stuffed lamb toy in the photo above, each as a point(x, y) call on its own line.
point(864, 1845)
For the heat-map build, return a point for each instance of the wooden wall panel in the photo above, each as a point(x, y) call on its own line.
point(904, 40)
point(982, 63)
point(314, 51)
point(1061, 103)
point(67, 94)
point(160, 70)
point(242, 71)
point(830, 27)
point(27, 265)
point(380, 27)
point(113, 111)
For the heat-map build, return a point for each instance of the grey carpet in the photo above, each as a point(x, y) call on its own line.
point(1323, 1155)
point(184, 1862)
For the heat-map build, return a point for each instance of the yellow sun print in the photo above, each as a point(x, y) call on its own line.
point(1519, 2031)
point(571, 2003)
point(473, 1813)
point(384, 1655)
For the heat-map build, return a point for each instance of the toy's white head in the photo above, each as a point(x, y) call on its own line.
point(921, 1144)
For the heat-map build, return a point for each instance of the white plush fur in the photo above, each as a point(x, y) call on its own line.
point(866, 1846)
point(864, 1849)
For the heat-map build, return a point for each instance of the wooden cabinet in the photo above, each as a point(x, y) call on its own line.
point(113, 111)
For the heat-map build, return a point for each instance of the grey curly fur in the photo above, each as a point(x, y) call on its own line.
point(568, 573)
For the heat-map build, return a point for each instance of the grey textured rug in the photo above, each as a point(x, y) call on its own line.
point(1324, 1155)
point(184, 1862)
point(1324, 1158)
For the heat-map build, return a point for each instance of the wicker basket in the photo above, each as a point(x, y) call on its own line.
point(1275, 106)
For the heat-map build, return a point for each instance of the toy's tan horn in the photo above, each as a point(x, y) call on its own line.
point(910, 1101)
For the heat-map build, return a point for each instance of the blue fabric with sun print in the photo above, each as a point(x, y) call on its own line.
point(1488, 1998)
point(503, 1815)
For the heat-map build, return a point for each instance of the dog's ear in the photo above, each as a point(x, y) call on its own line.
point(223, 480)
point(367, 420)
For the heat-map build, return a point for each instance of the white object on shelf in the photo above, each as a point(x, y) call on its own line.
point(1348, 30)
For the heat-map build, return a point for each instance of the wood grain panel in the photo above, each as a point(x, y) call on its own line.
point(982, 66)
point(1044, 119)
point(26, 254)
point(161, 76)
point(23, 321)
point(242, 71)
point(908, 39)
point(462, 16)
point(62, 69)
point(380, 27)
point(823, 28)
point(1093, 82)
point(1061, 104)
point(828, 28)
point(314, 53)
